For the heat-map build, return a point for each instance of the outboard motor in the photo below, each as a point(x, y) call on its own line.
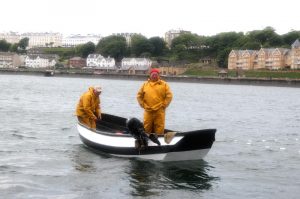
point(136, 129)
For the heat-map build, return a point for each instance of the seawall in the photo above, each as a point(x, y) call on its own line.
point(282, 82)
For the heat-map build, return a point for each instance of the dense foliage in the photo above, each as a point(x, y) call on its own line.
point(19, 47)
point(113, 46)
point(85, 49)
point(189, 48)
point(186, 48)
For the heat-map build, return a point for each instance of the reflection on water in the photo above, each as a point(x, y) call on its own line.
point(148, 178)
point(82, 160)
point(143, 178)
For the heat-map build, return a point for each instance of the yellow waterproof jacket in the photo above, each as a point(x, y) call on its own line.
point(88, 106)
point(154, 95)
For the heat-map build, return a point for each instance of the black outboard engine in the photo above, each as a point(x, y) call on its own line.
point(136, 129)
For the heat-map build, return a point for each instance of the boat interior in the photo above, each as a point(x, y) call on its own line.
point(114, 124)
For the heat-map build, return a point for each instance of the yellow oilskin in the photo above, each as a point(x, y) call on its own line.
point(88, 107)
point(154, 97)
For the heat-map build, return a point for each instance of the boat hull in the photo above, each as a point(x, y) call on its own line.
point(192, 145)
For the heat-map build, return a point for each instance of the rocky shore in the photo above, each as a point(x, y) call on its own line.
point(283, 82)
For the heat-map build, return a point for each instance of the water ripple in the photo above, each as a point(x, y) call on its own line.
point(145, 176)
point(19, 136)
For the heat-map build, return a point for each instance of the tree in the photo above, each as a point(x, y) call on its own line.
point(4, 45)
point(222, 57)
point(190, 41)
point(251, 45)
point(63, 53)
point(159, 46)
point(266, 37)
point(187, 47)
point(13, 48)
point(23, 43)
point(85, 49)
point(114, 46)
point(221, 45)
point(245, 42)
point(140, 45)
point(290, 37)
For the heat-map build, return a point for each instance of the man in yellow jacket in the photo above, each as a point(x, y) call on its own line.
point(154, 96)
point(88, 109)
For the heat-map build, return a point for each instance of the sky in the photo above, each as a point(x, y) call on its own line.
point(148, 17)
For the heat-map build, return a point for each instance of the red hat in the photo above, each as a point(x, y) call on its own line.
point(154, 70)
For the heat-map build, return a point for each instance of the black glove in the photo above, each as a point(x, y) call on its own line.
point(153, 137)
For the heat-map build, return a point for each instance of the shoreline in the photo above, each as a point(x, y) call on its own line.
point(279, 82)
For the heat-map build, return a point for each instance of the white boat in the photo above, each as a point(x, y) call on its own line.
point(113, 137)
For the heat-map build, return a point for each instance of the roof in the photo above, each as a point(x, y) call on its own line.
point(7, 53)
point(77, 58)
point(137, 59)
point(43, 56)
point(296, 44)
point(241, 52)
point(94, 56)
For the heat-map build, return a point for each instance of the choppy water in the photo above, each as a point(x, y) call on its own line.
point(256, 153)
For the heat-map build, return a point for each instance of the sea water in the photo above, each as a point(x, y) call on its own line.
point(256, 153)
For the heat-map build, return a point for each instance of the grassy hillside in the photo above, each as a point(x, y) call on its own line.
point(203, 71)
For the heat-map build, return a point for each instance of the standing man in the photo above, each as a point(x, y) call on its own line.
point(154, 97)
point(88, 109)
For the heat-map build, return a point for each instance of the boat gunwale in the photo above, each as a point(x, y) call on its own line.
point(122, 134)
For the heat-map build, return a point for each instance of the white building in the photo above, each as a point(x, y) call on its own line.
point(50, 39)
point(172, 34)
point(74, 40)
point(10, 60)
point(295, 55)
point(43, 39)
point(127, 36)
point(40, 61)
point(135, 65)
point(10, 37)
point(97, 61)
point(136, 62)
point(92, 60)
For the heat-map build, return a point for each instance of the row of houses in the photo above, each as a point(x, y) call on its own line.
point(266, 58)
point(41, 60)
point(100, 63)
point(54, 39)
point(127, 65)
point(13, 60)
point(50, 39)
point(93, 61)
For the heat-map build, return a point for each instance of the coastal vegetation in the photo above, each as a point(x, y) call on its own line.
point(19, 47)
point(194, 70)
point(186, 48)
point(190, 48)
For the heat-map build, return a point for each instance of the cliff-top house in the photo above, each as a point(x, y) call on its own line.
point(265, 58)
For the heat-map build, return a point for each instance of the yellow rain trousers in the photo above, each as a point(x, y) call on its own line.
point(154, 97)
point(88, 122)
point(88, 108)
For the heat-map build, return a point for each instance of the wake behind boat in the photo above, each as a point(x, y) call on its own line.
point(113, 137)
